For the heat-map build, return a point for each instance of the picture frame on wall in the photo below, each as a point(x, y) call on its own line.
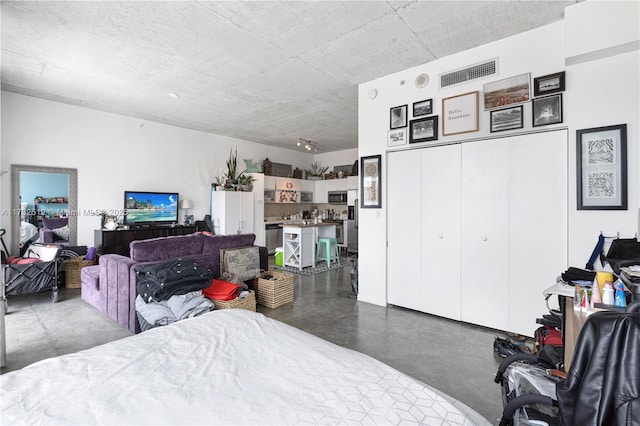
point(602, 168)
point(370, 181)
point(460, 114)
point(509, 91)
point(507, 119)
point(548, 84)
point(397, 137)
point(422, 108)
point(398, 117)
point(423, 129)
point(547, 110)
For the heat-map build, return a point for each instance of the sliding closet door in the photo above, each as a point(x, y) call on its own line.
point(537, 223)
point(485, 238)
point(404, 229)
point(441, 230)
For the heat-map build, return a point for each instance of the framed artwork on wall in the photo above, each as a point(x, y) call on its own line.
point(423, 129)
point(422, 108)
point(548, 84)
point(547, 110)
point(398, 116)
point(508, 91)
point(397, 137)
point(370, 179)
point(460, 114)
point(507, 119)
point(602, 168)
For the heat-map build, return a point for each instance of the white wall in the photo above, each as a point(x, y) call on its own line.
point(601, 90)
point(337, 158)
point(113, 153)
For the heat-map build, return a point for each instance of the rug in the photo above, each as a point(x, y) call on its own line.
point(310, 270)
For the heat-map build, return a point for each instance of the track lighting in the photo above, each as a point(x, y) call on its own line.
point(307, 144)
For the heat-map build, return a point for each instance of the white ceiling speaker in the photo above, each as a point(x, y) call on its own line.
point(422, 80)
point(373, 93)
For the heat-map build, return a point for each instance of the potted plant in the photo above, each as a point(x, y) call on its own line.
point(316, 172)
point(246, 182)
point(232, 167)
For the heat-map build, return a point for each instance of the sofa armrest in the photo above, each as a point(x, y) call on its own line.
point(46, 236)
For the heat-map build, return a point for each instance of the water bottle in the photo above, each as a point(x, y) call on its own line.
point(620, 298)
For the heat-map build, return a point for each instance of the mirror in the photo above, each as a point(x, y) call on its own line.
point(16, 206)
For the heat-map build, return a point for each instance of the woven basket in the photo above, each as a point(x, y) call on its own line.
point(274, 293)
point(72, 269)
point(248, 303)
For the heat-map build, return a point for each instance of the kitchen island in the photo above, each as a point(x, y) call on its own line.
point(299, 242)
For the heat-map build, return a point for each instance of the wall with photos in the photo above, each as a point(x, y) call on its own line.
point(601, 88)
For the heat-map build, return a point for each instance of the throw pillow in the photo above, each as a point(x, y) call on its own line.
point(62, 233)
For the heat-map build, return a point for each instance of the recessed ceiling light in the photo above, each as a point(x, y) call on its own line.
point(174, 95)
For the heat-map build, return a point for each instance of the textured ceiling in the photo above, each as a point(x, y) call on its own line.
point(264, 71)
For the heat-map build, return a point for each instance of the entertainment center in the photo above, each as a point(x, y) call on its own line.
point(117, 241)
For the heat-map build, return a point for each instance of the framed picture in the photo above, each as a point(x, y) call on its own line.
point(398, 117)
point(547, 84)
point(397, 137)
point(421, 108)
point(370, 179)
point(509, 91)
point(460, 114)
point(423, 129)
point(507, 119)
point(547, 110)
point(602, 168)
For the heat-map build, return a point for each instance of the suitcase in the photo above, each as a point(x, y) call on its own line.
point(528, 389)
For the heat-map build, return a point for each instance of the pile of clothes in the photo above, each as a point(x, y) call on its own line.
point(171, 291)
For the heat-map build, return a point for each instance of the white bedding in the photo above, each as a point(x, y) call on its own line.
point(229, 366)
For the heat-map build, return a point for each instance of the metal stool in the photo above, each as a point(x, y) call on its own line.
point(327, 250)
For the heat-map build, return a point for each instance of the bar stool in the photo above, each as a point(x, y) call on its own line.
point(327, 250)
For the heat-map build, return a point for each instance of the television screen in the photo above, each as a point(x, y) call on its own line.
point(150, 207)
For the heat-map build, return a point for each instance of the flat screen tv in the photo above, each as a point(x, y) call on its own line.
point(150, 208)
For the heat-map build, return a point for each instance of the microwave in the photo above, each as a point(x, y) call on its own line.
point(337, 197)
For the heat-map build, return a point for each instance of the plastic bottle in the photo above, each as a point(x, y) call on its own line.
point(620, 299)
point(607, 294)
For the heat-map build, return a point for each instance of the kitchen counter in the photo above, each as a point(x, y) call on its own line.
point(299, 242)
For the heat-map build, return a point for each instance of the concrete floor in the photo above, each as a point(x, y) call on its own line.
point(453, 357)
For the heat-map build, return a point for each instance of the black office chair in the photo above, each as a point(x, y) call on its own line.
point(205, 225)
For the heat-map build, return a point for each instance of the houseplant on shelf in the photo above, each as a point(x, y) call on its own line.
point(232, 175)
point(316, 172)
point(246, 182)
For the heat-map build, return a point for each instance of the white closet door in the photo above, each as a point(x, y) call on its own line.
point(404, 229)
point(537, 224)
point(441, 231)
point(485, 241)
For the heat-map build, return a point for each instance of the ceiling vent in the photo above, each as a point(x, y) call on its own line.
point(469, 73)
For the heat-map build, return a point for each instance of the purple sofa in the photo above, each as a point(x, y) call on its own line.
point(48, 233)
point(110, 286)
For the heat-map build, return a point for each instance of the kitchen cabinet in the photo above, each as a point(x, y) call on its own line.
point(488, 228)
point(287, 184)
point(232, 212)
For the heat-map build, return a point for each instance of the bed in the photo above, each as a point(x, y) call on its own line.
point(230, 366)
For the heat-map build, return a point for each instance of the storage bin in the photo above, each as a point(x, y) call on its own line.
point(279, 256)
point(274, 292)
point(248, 302)
point(72, 268)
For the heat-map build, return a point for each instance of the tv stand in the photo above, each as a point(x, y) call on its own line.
point(117, 241)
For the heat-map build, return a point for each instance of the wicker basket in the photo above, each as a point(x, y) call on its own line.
point(248, 303)
point(274, 293)
point(72, 269)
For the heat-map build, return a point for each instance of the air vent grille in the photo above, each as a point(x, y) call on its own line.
point(470, 73)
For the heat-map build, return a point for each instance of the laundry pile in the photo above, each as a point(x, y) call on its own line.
point(171, 291)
